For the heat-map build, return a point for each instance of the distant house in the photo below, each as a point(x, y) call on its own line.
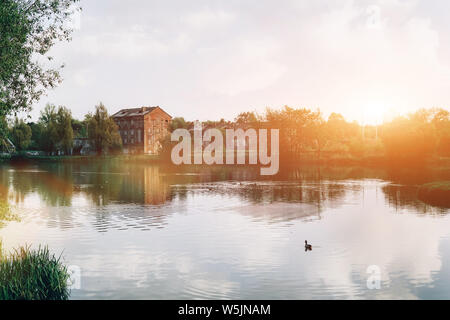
point(142, 128)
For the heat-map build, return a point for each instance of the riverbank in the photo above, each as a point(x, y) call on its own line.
point(435, 193)
point(441, 163)
point(90, 158)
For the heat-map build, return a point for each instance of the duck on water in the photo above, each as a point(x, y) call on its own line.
point(307, 246)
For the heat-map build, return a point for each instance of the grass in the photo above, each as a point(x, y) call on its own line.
point(27, 274)
point(435, 193)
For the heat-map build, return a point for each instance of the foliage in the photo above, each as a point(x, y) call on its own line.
point(37, 130)
point(21, 134)
point(54, 130)
point(103, 132)
point(27, 274)
point(64, 129)
point(441, 123)
point(410, 139)
point(178, 123)
point(247, 118)
point(28, 29)
point(79, 128)
point(4, 132)
point(300, 130)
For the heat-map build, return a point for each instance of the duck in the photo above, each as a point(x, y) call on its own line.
point(307, 246)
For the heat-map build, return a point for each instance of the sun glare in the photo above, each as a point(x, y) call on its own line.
point(374, 113)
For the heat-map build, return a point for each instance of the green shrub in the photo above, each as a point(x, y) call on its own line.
point(27, 274)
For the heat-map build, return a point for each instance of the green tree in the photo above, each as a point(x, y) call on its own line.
point(28, 29)
point(49, 134)
point(21, 134)
point(79, 128)
point(36, 135)
point(3, 132)
point(103, 132)
point(178, 123)
point(64, 128)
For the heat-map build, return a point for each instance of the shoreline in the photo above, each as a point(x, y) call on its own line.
point(372, 161)
point(435, 193)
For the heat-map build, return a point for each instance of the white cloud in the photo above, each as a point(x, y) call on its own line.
point(208, 18)
point(223, 58)
point(247, 66)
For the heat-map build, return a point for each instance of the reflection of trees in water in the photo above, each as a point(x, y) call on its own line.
point(4, 184)
point(288, 200)
point(111, 182)
point(405, 197)
point(140, 185)
point(55, 188)
point(103, 183)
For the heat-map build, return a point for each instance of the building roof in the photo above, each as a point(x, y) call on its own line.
point(137, 112)
point(133, 112)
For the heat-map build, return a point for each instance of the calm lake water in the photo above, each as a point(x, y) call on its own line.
point(145, 232)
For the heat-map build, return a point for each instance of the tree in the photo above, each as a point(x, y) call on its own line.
point(64, 128)
point(300, 130)
point(410, 139)
point(79, 128)
point(103, 133)
point(36, 135)
point(21, 134)
point(49, 134)
point(441, 122)
point(178, 123)
point(54, 131)
point(247, 118)
point(28, 29)
point(3, 131)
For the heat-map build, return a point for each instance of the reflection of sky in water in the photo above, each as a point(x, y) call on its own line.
point(141, 233)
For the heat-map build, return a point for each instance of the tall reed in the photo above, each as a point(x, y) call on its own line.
point(27, 274)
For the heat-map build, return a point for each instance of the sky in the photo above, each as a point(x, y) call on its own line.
point(368, 60)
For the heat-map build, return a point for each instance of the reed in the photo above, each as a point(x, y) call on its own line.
point(27, 274)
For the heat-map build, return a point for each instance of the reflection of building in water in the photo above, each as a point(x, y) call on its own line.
point(156, 190)
point(144, 185)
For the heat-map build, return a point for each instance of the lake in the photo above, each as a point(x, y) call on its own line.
point(138, 231)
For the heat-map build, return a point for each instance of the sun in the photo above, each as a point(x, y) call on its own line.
point(374, 113)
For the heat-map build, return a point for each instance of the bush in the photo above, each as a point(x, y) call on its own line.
point(29, 274)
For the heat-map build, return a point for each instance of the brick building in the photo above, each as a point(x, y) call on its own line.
point(142, 128)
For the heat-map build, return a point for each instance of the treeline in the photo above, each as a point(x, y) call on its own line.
point(56, 131)
point(307, 135)
point(412, 138)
